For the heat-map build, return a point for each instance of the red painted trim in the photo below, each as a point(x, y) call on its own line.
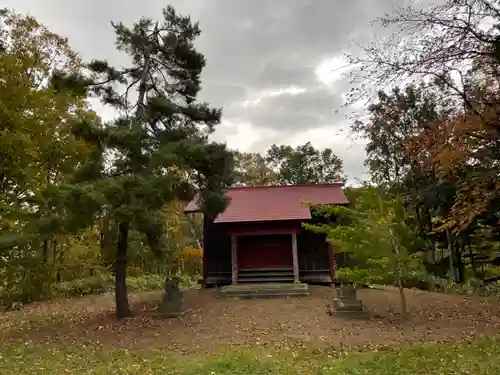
point(331, 258)
point(249, 229)
point(262, 231)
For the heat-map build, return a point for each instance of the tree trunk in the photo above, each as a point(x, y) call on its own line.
point(45, 251)
point(103, 235)
point(424, 228)
point(402, 296)
point(451, 255)
point(472, 259)
point(62, 259)
point(57, 261)
point(399, 274)
point(399, 282)
point(459, 264)
point(54, 260)
point(121, 294)
point(195, 235)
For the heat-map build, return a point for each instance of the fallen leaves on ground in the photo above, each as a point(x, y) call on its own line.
point(211, 323)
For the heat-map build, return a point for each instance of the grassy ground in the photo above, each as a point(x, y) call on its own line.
point(481, 357)
point(442, 334)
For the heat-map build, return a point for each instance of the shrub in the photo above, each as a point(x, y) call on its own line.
point(81, 287)
point(188, 261)
point(145, 283)
point(192, 258)
point(103, 283)
point(24, 282)
point(492, 289)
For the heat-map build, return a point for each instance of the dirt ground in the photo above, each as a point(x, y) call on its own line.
point(212, 323)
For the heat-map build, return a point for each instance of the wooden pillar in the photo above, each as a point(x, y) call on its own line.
point(207, 227)
point(234, 259)
point(331, 259)
point(295, 259)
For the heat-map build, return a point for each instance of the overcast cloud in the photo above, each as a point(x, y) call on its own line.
point(268, 61)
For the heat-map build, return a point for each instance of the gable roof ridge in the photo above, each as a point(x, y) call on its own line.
point(329, 184)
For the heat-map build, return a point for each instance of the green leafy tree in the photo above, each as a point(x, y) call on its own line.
point(375, 234)
point(158, 147)
point(304, 164)
point(253, 170)
point(39, 149)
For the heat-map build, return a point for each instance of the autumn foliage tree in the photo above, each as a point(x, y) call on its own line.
point(394, 118)
point(448, 163)
point(451, 46)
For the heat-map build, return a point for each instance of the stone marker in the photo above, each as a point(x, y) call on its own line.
point(347, 301)
point(172, 303)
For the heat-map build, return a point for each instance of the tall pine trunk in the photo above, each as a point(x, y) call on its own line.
point(121, 294)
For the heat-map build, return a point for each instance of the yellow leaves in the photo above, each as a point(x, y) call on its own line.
point(32, 40)
point(173, 218)
point(190, 252)
point(186, 261)
point(36, 142)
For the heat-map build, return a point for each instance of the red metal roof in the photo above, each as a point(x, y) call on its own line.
point(266, 203)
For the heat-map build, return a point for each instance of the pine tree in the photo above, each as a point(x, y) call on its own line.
point(158, 149)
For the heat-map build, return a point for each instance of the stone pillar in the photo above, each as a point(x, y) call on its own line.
point(347, 301)
point(172, 303)
point(295, 259)
point(234, 259)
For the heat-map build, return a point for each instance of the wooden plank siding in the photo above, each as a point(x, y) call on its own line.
point(313, 256)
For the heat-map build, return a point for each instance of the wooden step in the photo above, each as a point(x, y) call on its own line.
point(269, 275)
point(323, 270)
point(265, 279)
point(277, 269)
point(267, 290)
point(266, 274)
point(281, 294)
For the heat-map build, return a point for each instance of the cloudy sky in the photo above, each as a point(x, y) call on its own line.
point(272, 64)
